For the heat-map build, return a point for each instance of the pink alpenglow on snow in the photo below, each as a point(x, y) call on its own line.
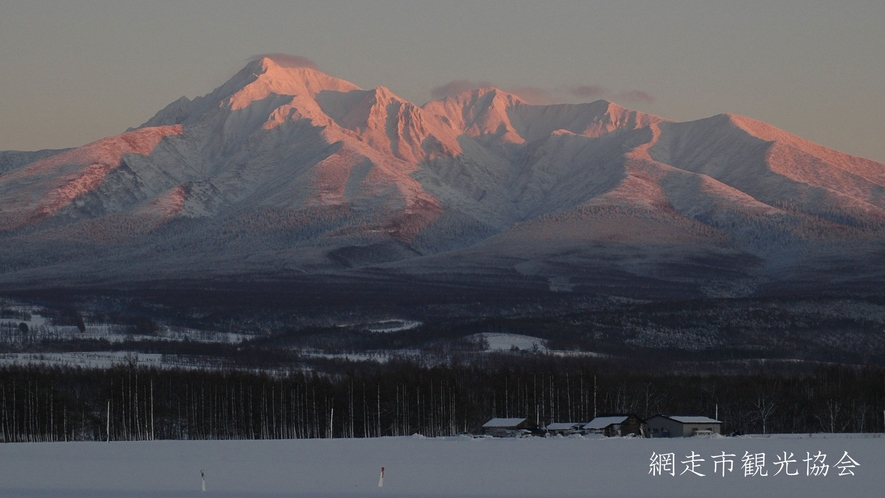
point(532, 94)
point(287, 60)
point(43, 188)
point(326, 176)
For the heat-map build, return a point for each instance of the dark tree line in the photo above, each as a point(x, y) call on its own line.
point(132, 402)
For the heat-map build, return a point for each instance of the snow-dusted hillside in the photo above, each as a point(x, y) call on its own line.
point(447, 467)
point(286, 169)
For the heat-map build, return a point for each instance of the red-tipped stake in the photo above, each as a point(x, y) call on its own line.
point(381, 479)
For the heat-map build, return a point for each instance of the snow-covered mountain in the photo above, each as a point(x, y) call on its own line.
point(288, 171)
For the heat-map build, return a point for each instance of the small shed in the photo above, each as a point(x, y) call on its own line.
point(621, 424)
point(682, 425)
point(564, 428)
point(508, 427)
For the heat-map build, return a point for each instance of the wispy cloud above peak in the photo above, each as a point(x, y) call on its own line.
point(456, 87)
point(588, 91)
point(532, 94)
point(634, 96)
point(287, 60)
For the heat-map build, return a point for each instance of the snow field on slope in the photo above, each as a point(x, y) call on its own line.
point(506, 342)
point(41, 327)
point(438, 467)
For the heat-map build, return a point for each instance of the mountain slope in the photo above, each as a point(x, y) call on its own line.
point(290, 171)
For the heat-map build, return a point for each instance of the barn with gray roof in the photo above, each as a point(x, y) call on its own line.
point(682, 425)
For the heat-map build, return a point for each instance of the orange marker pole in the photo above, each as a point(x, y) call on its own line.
point(381, 479)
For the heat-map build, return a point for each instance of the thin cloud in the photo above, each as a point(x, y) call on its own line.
point(634, 96)
point(532, 94)
point(456, 87)
point(287, 60)
point(588, 91)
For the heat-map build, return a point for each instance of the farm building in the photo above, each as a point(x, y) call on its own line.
point(508, 427)
point(621, 424)
point(682, 426)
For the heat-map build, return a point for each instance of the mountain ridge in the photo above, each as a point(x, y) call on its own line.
point(289, 169)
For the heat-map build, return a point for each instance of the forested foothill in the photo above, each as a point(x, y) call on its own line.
point(247, 365)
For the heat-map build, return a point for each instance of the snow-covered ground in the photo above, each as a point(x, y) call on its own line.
point(111, 333)
point(91, 359)
point(376, 356)
point(108, 359)
point(393, 326)
point(502, 342)
point(506, 342)
point(40, 327)
point(441, 467)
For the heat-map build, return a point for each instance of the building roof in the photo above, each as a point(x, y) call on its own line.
point(562, 426)
point(690, 419)
point(503, 422)
point(603, 422)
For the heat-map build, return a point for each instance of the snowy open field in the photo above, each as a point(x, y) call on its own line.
point(442, 467)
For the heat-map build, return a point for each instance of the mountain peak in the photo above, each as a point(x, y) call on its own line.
point(259, 79)
point(383, 94)
point(260, 65)
point(486, 94)
point(478, 112)
point(270, 64)
point(270, 78)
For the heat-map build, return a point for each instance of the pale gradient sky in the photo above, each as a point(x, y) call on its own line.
point(72, 72)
